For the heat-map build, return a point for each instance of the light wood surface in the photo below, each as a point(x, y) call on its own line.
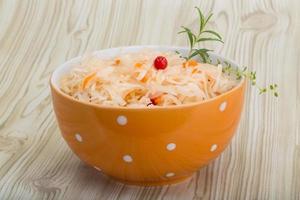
point(263, 160)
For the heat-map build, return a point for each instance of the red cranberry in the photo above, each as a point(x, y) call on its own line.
point(160, 62)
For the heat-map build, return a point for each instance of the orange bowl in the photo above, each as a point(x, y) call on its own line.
point(147, 146)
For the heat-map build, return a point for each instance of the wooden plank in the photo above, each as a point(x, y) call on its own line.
point(263, 160)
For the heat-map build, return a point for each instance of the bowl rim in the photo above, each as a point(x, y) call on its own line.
point(169, 48)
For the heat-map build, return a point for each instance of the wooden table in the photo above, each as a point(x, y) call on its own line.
point(263, 160)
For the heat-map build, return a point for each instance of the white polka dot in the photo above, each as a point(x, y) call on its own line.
point(223, 106)
point(122, 120)
point(78, 137)
point(97, 168)
point(170, 174)
point(171, 146)
point(127, 158)
point(213, 147)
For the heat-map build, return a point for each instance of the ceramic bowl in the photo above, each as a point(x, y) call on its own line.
point(147, 146)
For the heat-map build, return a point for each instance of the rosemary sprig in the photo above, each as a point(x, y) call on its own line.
point(203, 35)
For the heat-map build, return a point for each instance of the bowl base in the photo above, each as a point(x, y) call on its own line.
point(153, 183)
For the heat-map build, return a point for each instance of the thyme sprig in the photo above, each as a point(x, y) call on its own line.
point(205, 34)
point(251, 76)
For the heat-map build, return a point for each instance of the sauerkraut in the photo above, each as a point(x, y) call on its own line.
point(131, 80)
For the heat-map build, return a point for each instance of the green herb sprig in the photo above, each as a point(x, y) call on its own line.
point(205, 34)
point(251, 76)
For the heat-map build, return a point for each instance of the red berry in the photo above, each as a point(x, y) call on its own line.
point(153, 101)
point(160, 62)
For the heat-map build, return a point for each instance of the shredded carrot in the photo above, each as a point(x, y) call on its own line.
point(192, 63)
point(144, 80)
point(138, 65)
point(117, 61)
point(146, 77)
point(128, 96)
point(87, 79)
point(195, 71)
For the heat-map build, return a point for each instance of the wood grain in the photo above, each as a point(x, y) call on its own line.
point(263, 160)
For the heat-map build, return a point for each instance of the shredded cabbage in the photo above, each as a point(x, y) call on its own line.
point(130, 80)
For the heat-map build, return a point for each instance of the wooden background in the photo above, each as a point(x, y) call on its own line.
point(263, 160)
